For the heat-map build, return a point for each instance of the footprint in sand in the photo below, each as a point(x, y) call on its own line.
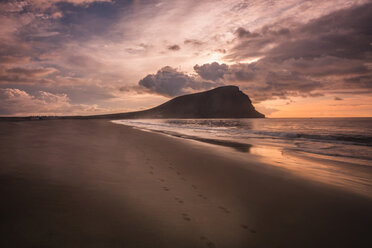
point(246, 227)
point(178, 200)
point(224, 209)
point(209, 243)
point(203, 196)
point(184, 179)
point(161, 180)
point(178, 173)
point(194, 187)
point(170, 167)
point(151, 172)
point(165, 188)
point(186, 217)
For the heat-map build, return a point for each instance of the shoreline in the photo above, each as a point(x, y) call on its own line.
point(92, 183)
point(343, 173)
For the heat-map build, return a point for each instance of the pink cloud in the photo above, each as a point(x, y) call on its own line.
point(19, 102)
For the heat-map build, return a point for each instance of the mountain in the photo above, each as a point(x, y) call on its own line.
point(221, 102)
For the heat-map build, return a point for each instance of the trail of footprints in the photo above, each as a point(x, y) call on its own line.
point(209, 243)
point(178, 200)
point(224, 210)
point(186, 216)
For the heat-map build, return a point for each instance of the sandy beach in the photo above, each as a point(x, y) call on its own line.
point(93, 183)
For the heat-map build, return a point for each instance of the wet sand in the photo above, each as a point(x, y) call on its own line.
point(92, 183)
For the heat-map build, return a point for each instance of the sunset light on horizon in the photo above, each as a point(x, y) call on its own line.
point(85, 57)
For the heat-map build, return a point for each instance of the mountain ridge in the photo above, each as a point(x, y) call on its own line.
point(221, 102)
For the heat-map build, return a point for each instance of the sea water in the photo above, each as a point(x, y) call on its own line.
point(345, 141)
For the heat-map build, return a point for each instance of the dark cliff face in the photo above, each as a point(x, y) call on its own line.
point(222, 102)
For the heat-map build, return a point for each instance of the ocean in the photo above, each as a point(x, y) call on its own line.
point(332, 150)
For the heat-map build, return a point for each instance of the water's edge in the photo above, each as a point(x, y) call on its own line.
point(350, 173)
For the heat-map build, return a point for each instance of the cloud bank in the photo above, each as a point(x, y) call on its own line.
point(330, 53)
point(90, 50)
point(170, 82)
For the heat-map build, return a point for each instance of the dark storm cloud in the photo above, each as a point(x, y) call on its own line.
point(344, 34)
point(242, 33)
point(331, 52)
point(242, 72)
point(283, 83)
point(263, 84)
point(328, 53)
point(174, 47)
point(213, 71)
point(170, 82)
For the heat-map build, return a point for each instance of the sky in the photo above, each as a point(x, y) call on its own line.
point(293, 58)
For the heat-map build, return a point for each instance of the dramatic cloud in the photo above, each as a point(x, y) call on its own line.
point(342, 34)
point(93, 51)
point(242, 33)
point(174, 47)
point(212, 71)
point(261, 84)
point(327, 53)
point(331, 52)
point(170, 82)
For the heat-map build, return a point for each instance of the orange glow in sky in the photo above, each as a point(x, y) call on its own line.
point(293, 58)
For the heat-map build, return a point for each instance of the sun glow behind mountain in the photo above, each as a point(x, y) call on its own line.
point(293, 58)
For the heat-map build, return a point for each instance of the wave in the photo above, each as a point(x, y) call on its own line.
point(245, 147)
point(239, 146)
point(353, 142)
point(354, 139)
point(236, 129)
